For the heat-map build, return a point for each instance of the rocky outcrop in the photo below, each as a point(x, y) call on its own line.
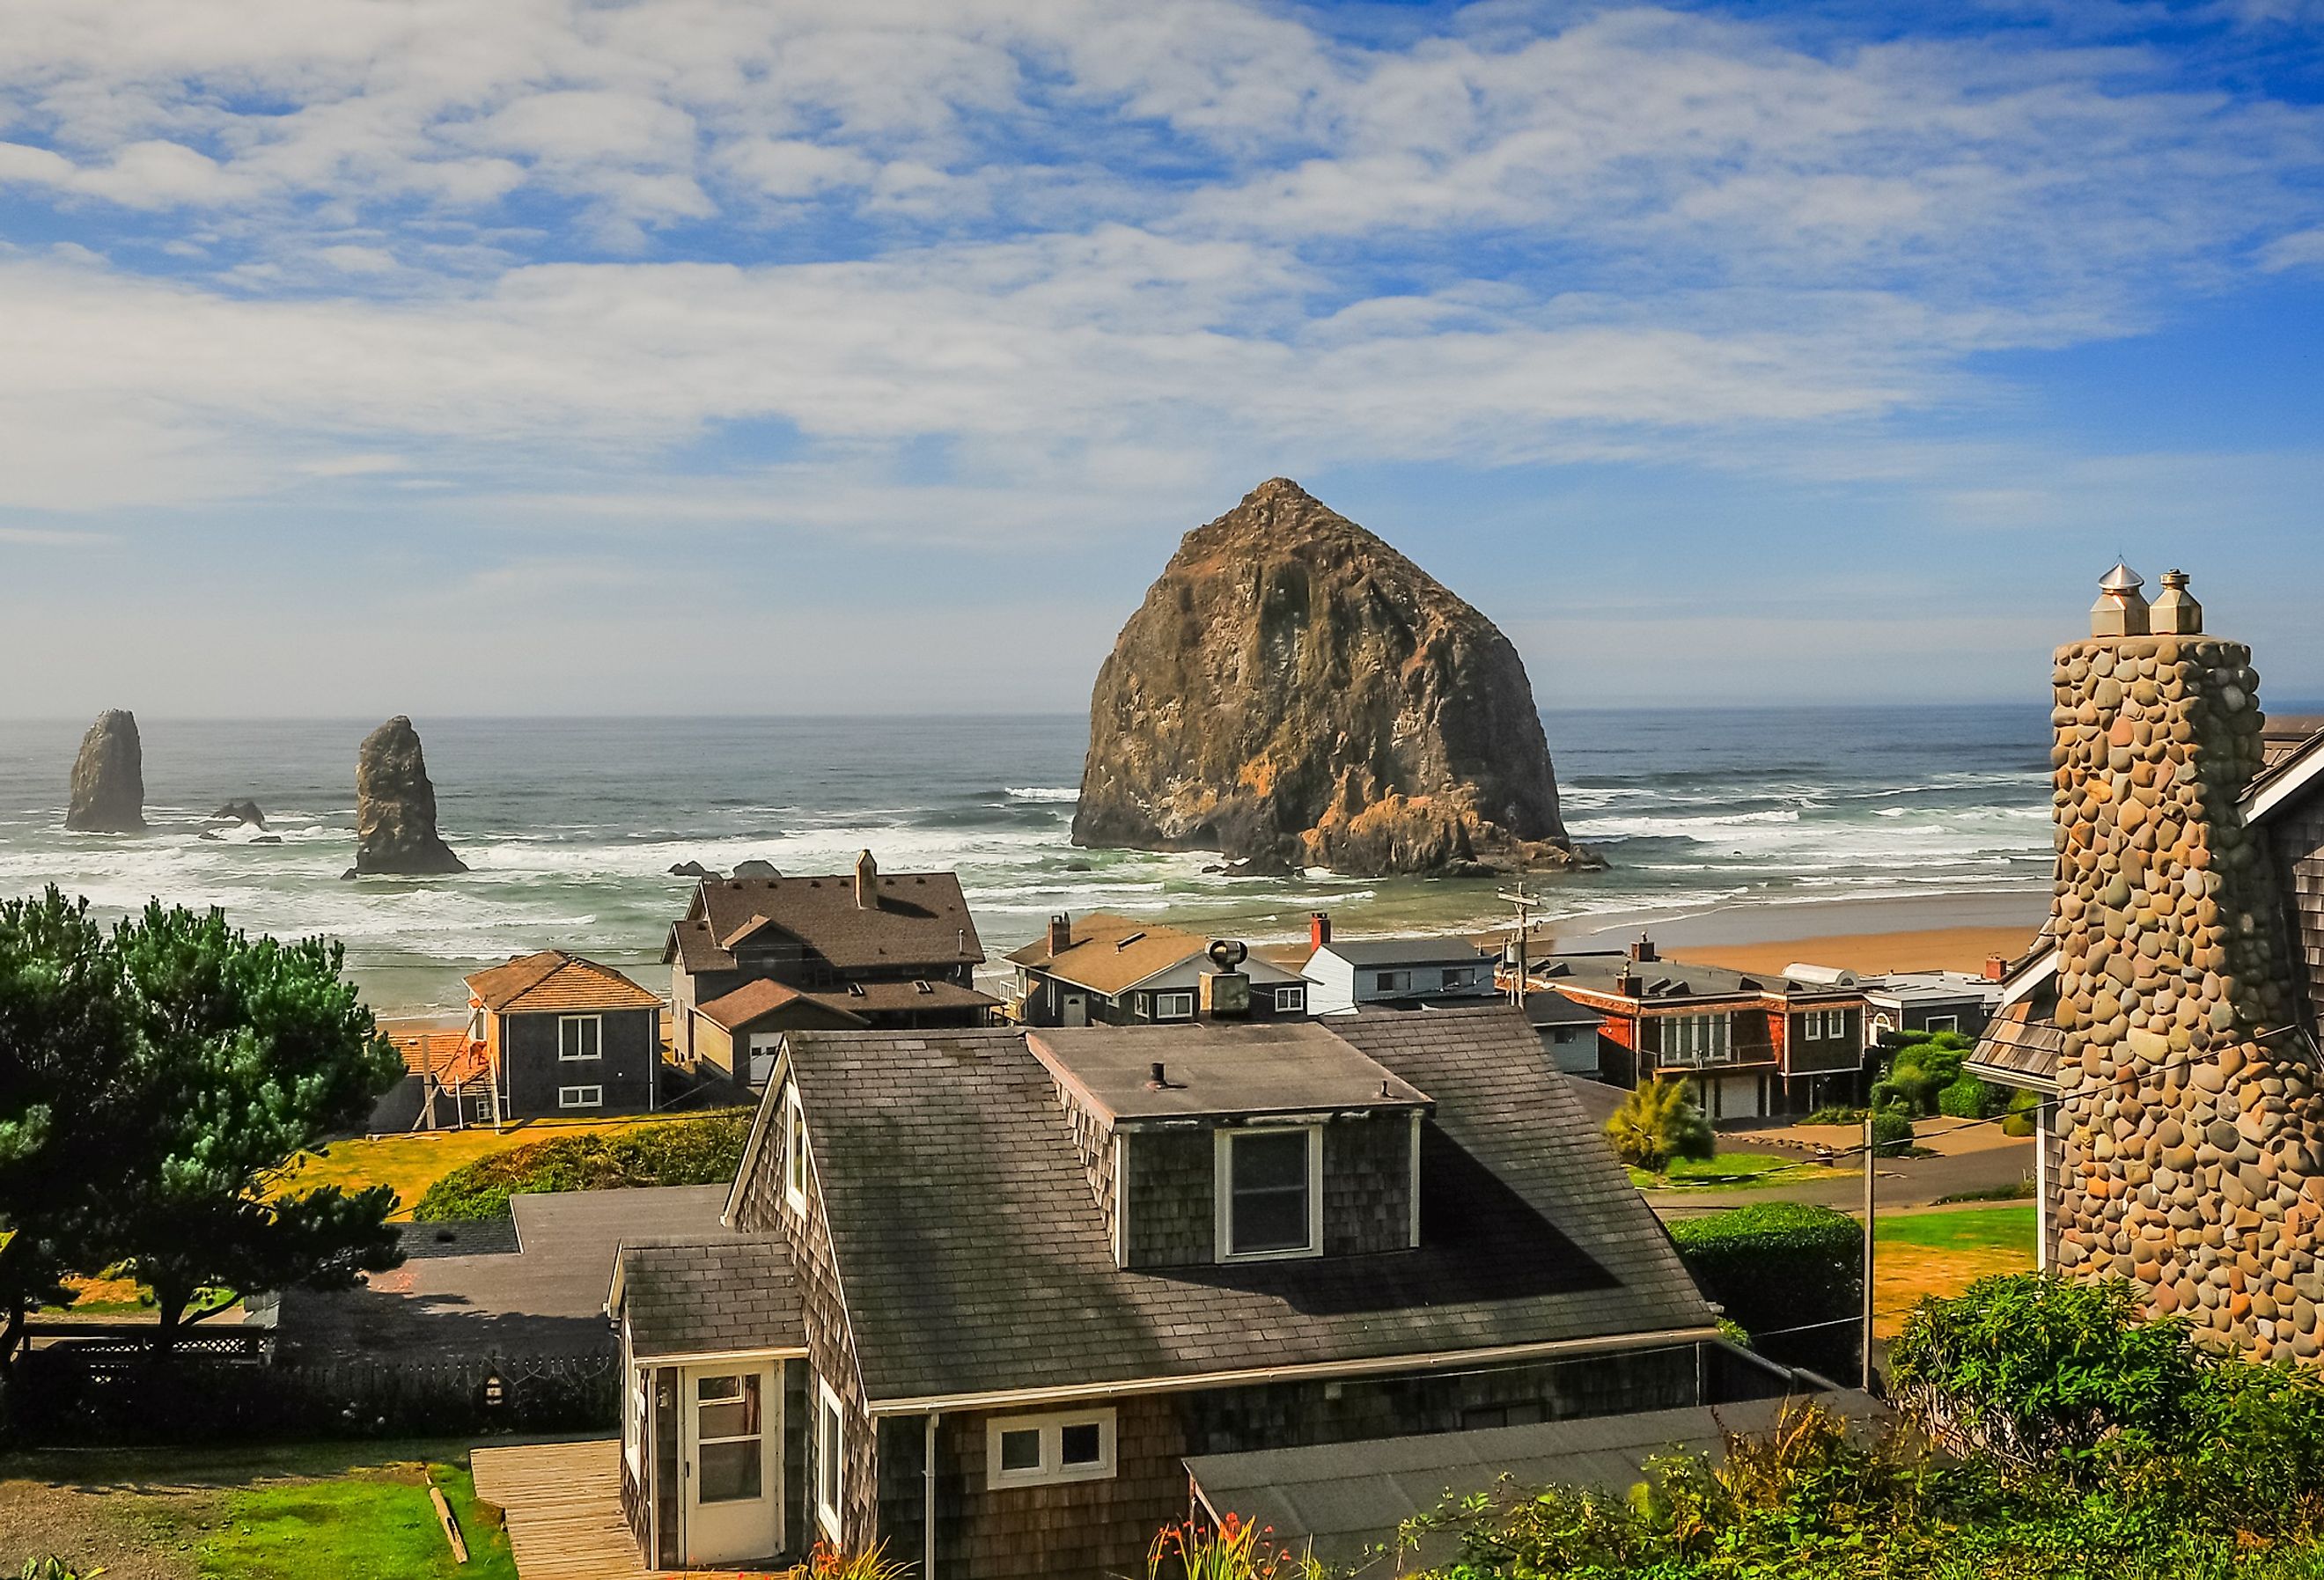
point(395, 807)
point(108, 778)
point(1293, 692)
point(240, 812)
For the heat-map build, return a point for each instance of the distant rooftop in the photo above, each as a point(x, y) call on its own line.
point(1671, 979)
point(1283, 1067)
point(1435, 950)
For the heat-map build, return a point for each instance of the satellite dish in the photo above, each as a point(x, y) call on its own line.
point(1227, 953)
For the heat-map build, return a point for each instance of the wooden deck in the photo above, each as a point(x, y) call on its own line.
point(563, 1507)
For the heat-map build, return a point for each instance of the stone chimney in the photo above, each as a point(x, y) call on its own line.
point(867, 882)
point(1061, 934)
point(2191, 1128)
point(1319, 928)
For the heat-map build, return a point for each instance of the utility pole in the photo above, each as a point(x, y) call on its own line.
point(1871, 1172)
point(1524, 902)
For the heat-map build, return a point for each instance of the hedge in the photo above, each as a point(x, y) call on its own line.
point(1968, 1098)
point(1781, 1266)
point(676, 1151)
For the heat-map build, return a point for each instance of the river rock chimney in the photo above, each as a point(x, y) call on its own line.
point(867, 882)
point(2191, 1129)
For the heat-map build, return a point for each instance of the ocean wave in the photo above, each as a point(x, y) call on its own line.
point(1045, 793)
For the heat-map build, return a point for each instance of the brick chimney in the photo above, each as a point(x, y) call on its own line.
point(1642, 951)
point(1061, 934)
point(1319, 928)
point(867, 882)
point(2191, 1129)
point(1996, 969)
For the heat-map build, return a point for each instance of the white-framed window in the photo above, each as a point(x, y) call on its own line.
point(580, 1036)
point(1032, 1451)
point(729, 1448)
point(1391, 981)
point(830, 1461)
point(1942, 1024)
point(794, 1149)
point(1827, 1025)
point(634, 1421)
point(1291, 1001)
point(580, 1096)
point(1694, 1039)
point(1269, 1192)
point(1174, 1006)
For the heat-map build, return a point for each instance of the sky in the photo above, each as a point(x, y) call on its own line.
point(691, 357)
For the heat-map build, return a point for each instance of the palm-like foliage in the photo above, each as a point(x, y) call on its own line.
point(1657, 1123)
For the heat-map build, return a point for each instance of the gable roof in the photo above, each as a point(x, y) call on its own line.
point(922, 919)
point(1111, 954)
point(708, 1294)
point(556, 979)
point(1275, 1068)
point(974, 1261)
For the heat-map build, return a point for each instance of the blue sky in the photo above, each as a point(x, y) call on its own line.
point(708, 356)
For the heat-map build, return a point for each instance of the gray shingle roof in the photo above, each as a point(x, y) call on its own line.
point(922, 919)
point(1209, 1068)
point(975, 1256)
point(1424, 951)
point(710, 1294)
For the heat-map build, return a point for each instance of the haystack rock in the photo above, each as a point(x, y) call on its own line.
point(1293, 692)
point(395, 806)
point(108, 778)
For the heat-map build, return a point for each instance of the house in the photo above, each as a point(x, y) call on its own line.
point(888, 949)
point(1568, 1030)
point(1101, 969)
point(1036, 1269)
point(1393, 974)
point(2167, 1012)
point(562, 1035)
point(1900, 1001)
point(448, 1084)
point(1751, 1046)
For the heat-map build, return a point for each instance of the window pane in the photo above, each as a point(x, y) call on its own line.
point(710, 1387)
point(726, 1472)
point(1274, 1220)
point(1080, 1443)
point(1262, 1161)
point(1021, 1450)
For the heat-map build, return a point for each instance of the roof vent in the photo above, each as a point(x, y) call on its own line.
point(1126, 940)
point(867, 882)
point(1160, 1081)
point(855, 990)
point(921, 984)
point(1660, 984)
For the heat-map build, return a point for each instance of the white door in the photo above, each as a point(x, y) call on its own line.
point(729, 1465)
point(762, 1057)
point(1076, 1010)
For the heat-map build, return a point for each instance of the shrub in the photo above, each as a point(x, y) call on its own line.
point(1831, 1114)
point(1969, 1098)
point(1657, 1123)
point(1922, 1065)
point(1777, 1266)
point(2024, 1112)
point(679, 1151)
point(1892, 1132)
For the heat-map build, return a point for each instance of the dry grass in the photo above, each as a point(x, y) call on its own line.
point(1942, 1253)
point(412, 1163)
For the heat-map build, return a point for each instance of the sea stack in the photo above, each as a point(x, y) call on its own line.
point(1293, 692)
point(108, 778)
point(395, 807)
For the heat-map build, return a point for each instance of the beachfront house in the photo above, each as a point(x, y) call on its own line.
point(983, 1293)
point(1751, 1046)
point(564, 1036)
point(1900, 1001)
point(1568, 1031)
point(882, 949)
point(1345, 975)
point(1104, 970)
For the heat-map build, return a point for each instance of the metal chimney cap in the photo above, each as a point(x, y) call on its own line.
point(2121, 579)
point(2176, 578)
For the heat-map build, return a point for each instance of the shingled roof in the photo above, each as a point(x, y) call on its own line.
point(921, 920)
point(711, 1293)
point(974, 1259)
point(555, 980)
point(1110, 954)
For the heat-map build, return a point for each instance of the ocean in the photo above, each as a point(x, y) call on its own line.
point(570, 826)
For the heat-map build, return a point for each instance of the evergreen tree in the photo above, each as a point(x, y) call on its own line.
point(1659, 1122)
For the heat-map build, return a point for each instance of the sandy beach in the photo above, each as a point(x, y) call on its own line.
point(1952, 932)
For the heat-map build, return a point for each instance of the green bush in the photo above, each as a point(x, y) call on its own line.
point(1659, 1122)
point(1834, 1115)
point(1920, 1066)
point(1969, 1098)
point(1776, 1265)
point(677, 1152)
point(1892, 1132)
point(2023, 1114)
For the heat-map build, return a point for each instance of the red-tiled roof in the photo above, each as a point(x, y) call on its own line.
point(553, 979)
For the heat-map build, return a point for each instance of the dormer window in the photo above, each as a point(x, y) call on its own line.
point(1269, 1192)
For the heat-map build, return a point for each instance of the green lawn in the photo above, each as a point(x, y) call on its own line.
point(289, 1511)
point(370, 1523)
point(1737, 1171)
point(2000, 1229)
